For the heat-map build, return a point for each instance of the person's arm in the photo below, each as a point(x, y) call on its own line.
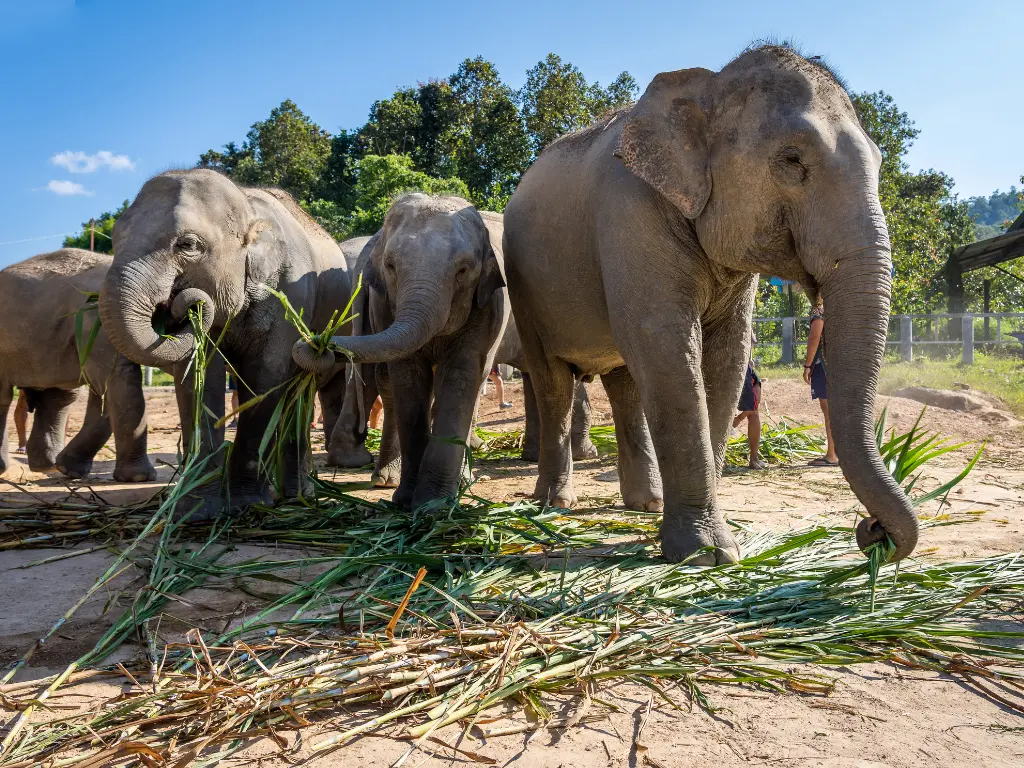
point(813, 338)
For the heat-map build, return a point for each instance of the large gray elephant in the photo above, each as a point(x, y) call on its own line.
point(346, 446)
point(39, 300)
point(632, 249)
point(194, 237)
point(436, 311)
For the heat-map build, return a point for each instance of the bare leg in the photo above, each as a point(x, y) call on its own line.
point(375, 412)
point(6, 396)
point(754, 439)
point(639, 478)
point(830, 453)
point(21, 419)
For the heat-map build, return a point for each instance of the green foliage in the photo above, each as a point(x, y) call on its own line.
point(926, 221)
point(381, 179)
point(557, 99)
point(104, 232)
point(287, 150)
point(993, 213)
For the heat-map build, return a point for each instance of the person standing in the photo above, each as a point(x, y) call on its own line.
point(815, 375)
point(499, 387)
point(749, 405)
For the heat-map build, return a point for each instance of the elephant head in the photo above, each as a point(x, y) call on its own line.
point(185, 240)
point(432, 262)
point(769, 165)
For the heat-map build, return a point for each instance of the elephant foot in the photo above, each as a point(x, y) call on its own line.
point(135, 471)
point(687, 532)
point(585, 449)
point(558, 494)
point(196, 508)
point(403, 495)
point(387, 476)
point(643, 502)
point(531, 453)
point(76, 467)
point(349, 457)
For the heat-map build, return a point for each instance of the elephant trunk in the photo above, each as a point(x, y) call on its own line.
point(421, 313)
point(856, 293)
point(134, 303)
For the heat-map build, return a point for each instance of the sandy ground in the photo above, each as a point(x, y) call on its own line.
point(878, 715)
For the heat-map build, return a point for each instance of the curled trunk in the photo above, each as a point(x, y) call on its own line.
point(856, 296)
point(132, 293)
point(421, 314)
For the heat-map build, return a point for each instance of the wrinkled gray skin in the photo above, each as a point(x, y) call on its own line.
point(194, 237)
point(39, 298)
point(346, 448)
point(436, 312)
point(631, 251)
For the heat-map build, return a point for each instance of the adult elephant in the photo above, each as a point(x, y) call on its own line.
point(191, 238)
point(39, 353)
point(631, 250)
point(436, 310)
point(346, 447)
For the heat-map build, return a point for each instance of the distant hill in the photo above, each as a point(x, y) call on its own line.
point(990, 212)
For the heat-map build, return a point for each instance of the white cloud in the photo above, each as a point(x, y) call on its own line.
point(65, 188)
point(79, 162)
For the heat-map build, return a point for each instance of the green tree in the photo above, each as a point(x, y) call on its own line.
point(287, 150)
point(104, 232)
point(394, 124)
point(557, 99)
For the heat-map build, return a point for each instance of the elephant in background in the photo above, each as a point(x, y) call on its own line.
point(346, 447)
point(436, 310)
point(632, 249)
point(193, 237)
point(39, 299)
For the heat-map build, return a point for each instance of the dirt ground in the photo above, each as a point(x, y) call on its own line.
point(879, 715)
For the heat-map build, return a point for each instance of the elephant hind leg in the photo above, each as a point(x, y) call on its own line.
point(639, 478)
point(346, 446)
point(48, 427)
point(388, 471)
point(553, 386)
point(76, 459)
point(582, 446)
point(126, 405)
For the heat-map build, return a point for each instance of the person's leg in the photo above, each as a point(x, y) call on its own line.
point(739, 419)
point(21, 420)
point(375, 411)
point(830, 454)
point(754, 439)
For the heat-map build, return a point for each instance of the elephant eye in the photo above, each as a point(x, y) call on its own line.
point(462, 272)
point(390, 266)
point(792, 163)
point(189, 244)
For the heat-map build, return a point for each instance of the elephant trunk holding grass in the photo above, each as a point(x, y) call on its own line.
point(40, 299)
point(435, 311)
point(192, 238)
point(632, 249)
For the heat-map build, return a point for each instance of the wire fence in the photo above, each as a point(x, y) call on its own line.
point(784, 339)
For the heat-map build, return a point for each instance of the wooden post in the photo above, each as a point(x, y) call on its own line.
point(791, 310)
point(967, 355)
point(954, 296)
point(787, 340)
point(988, 304)
point(907, 338)
point(92, 234)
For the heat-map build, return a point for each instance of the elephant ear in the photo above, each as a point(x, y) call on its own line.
point(491, 278)
point(665, 139)
point(371, 272)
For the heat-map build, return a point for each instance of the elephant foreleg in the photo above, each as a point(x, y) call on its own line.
point(76, 459)
point(48, 427)
point(458, 380)
point(346, 446)
point(639, 478)
point(411, 382)
point(726, 350)
point(388, 471)
point(199, 431)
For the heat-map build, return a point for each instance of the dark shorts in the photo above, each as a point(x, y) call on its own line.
point(494, 370)
point(818, 390)
point(232, 384)
point(750, 397)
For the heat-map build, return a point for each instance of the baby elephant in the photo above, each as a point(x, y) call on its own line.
point(39, 300)
point(436, 312)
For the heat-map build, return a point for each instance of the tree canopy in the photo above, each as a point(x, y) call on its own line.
point(104, 232)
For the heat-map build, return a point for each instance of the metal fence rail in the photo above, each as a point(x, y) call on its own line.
point(966, 331)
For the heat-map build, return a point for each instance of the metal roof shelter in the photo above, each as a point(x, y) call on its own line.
point(984, 253)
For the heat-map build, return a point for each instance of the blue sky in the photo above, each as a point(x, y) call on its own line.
point(154, 83)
